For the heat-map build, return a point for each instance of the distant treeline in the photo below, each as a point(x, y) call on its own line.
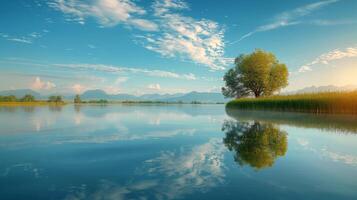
point(319, 103)
point(30, 98)
point(77, 100)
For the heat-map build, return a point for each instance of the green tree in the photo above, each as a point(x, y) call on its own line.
point(257, 144)
point(10, 98)
point(77, 99)
point(258, 73)
point(55, 99)
point(28, 98)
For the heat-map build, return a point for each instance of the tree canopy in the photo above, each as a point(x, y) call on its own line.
point(258, 74)
point(77, 99)
point(55, 99)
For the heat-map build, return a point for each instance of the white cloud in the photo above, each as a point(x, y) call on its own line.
point(117, 69)
point(112, 89)
point(106, 12)
point(120, 80)
point(78, 88)
point(154, 86)
point(37, 84)
point(27, 39)
point(330, 56)
point(304, 68)
point(144, 24)
point(289, 18)
point(21, 40)
point(200, 41)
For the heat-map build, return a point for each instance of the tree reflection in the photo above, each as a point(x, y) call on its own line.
point(255, 144)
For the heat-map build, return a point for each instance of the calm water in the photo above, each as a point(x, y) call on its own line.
point(174, 152)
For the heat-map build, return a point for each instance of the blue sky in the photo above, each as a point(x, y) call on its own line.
point(169, 46)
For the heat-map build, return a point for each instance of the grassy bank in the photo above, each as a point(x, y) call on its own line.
point(327, 102)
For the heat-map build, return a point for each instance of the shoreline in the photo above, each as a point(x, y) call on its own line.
point(317, 103)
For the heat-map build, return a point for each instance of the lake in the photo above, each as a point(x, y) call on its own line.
point(174, 152)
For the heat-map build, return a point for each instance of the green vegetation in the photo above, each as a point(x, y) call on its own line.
point(319, 103)
point(27, 100)
point(55, 99)
point(12, 98)
point(100, 101)
point(258, 74)
point(77, 99)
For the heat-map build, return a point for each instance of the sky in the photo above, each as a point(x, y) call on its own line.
point(170, 46)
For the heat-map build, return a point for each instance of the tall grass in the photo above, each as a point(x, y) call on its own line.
point(325, 102)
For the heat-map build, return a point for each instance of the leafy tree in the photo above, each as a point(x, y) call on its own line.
point(10, 98)
point(77, 99)
point(55, 99)
point(28, 98)
point(258, 73)
point(255, 144)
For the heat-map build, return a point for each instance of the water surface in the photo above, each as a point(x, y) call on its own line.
point(174, 152)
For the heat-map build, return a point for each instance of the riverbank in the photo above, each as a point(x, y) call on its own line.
point(318, 103)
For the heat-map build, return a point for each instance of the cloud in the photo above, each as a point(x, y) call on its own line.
point(27, 39)
point(37, 84)
point(120, 80)
point(107, 12)
point(77, 88)
point(289, 18)
point(326, 58)
point(304, 68)
point(21, 40)
point(154, 86)
point(200, 41)
point(117, 69)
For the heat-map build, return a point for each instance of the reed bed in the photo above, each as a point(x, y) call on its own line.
point(319, 103)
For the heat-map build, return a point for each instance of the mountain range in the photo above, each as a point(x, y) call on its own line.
point(208, 97)
point(326, 88)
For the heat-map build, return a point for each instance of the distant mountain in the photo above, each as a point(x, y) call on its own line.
point(184, 97)
point(327, 88)
point(100, 94)
point(20, 93)
point(160, 96)
point(199, 96)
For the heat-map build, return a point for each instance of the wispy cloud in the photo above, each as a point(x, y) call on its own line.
point(106, 12)
point(326, 58)
point(27, 39)
point(290, 18)
point(117, 69)
point(154, 86)
point(200, 41)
